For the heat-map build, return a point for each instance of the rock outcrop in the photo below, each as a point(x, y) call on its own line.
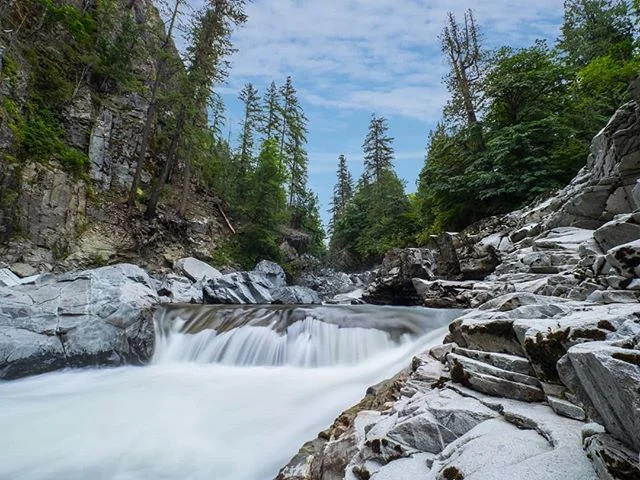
point(239, 288)
point(103, 317)
point(196, 270)
point(393, 284)
point(523, 367)
point(90, 318)
point(264, 285)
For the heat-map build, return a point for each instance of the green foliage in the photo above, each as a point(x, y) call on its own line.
point(443, 195)
point(305, 215)
point(376, 220)
point(116, 36)
point(595, 28)
point(342, 191)
point(42, 140)
point(266, 202)
point(9, 68)
point(541, 110)
point(80, 25)
point(229, 254)
point(378, 216)
point(39, 137)
point(63, 48)
point(252, 111)
point(378, 149)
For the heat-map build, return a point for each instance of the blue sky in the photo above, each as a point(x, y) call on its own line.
point(351, 58)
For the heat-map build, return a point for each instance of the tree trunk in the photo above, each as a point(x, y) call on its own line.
point(151, 112)
point(171, 158)
point(186, 184)
point(142, 153)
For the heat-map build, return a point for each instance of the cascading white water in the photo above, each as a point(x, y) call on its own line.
point(230, 394)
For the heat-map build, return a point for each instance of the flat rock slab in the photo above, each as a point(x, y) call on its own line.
point(514, 452)
point(511, 363)
point(8, 278)
point(566, 409)
point(563, 238)
point(413, 467)
point(196, 270)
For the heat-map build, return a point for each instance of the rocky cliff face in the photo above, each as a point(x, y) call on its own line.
point(51, 217)
point(553, 343)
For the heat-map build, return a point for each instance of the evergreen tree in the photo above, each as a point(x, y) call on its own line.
point(297, 163)
point(375, 217)
point(595, 28)
point(161, 60)
point(271, 112)
point(342, 191)
point(311, 223)
point(378, 150)
point(251, 100)
point(266, 201)
point(217, 115)
point(206, 54)
point(597, 45)
point(292, 142)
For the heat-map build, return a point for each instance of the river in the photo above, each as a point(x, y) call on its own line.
point(230, 394)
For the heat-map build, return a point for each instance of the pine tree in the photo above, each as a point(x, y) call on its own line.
point(292, 142)
point(595, 28)
point(312, 224)
point(342, 191)
point(378, 150)
point(161, 67)
point(217, 115)
point(266, 202)
point(271, 112)
point(251, 100)
point(297, 163)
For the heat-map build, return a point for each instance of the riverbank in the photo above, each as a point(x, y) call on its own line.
point(541, 380)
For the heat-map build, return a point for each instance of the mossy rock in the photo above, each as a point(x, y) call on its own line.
point(544, 351)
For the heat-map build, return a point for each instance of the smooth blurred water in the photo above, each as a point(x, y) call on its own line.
point(231, 394)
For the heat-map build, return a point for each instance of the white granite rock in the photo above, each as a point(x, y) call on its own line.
point(196, 270)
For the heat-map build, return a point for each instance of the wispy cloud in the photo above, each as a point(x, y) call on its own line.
point(380, 55)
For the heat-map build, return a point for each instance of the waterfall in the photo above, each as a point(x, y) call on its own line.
point(296, 336)
point(230, 394)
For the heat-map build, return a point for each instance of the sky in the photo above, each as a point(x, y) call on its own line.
point(352, 58)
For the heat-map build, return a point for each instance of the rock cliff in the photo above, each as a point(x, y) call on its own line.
point(54, 218)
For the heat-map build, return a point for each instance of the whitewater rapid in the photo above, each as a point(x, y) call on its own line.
point(219, 401)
